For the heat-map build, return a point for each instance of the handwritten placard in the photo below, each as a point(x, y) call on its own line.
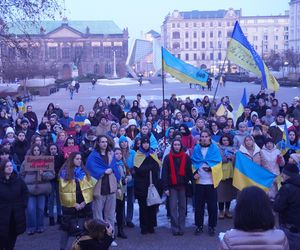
point(36, 163)
point(68, 150)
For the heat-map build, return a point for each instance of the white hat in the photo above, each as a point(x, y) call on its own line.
point(87, 122)
point(131, 122)
point(9, 130)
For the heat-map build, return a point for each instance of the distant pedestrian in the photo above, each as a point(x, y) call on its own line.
point(71, 90)
point(93, 83)
point(77, 86)
point(209, 83)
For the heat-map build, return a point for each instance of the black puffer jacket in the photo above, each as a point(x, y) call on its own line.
point(13, 202)
point(287, 202)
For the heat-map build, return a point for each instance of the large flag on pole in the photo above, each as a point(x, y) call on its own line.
point(241, 52)
point(248, 173)
point(183, 71)
point(243, 104)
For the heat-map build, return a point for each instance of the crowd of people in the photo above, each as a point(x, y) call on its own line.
point(110, 156)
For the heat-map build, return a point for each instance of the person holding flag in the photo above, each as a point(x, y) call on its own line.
point(207, 169)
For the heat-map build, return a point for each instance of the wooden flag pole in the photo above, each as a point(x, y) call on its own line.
point(221, 73)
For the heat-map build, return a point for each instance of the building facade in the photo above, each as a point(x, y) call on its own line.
point(294, 29)
point(89, 46)
point(201, 37)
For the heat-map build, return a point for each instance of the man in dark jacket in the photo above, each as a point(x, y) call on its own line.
point(287, 204)
point(116, 109)
point(31, 116)
point(245, 117)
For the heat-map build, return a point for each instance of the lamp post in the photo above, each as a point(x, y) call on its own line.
point(115, 70)
point(285, 64)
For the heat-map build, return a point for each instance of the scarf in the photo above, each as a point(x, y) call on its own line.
point(79, 174)
point(182, 157)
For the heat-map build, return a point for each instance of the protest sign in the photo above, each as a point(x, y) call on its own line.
point(36, 163)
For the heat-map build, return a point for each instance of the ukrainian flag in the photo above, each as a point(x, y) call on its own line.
point(182, 71)
point(248, 173)
point(243, 104)
point(243, 54)
point(212, 158)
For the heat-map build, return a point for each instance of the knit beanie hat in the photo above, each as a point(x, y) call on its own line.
point(122, 139)
point(9, 130)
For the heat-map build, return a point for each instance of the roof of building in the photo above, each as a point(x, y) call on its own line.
point(95, 27)
point(153, 33)
point(196, 14)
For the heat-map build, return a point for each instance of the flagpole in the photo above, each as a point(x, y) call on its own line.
point(163, 89)
point(222, 70)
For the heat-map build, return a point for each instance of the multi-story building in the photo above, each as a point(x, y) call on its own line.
point(201, 37)
point(89, 45)
point(294, 30)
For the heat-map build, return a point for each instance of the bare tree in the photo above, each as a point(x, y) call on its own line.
point(274, 60)
point(293, 59)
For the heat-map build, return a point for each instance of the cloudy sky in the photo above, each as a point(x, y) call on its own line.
point(140, 16)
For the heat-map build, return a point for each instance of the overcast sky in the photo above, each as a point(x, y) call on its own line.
point(143, 15)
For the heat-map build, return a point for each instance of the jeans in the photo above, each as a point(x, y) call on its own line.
point(35, 212)
point(206, 194)
point(130, 202)
point(177, 209)
point(54, 196)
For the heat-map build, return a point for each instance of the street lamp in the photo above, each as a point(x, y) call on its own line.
point(285, 64)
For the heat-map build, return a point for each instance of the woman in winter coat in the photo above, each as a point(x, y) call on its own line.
point(19, 149)
point(240, 135)
point(254, 224)
point(176, 173)
point(272, 159)
point(289, 146)
point(187, 139)
point(76, 195)
point(38, 184)
point(145, 163)
point(226, 191)
point(250, 149)
point(13, 202)
point(54, 195)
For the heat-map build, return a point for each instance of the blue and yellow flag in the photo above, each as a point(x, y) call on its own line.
point(212, 158)
point(241, 52)
point(243, 104)
point(182, 71)
point(248, 173)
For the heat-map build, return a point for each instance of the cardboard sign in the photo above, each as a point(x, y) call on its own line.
point(68, 150)
point(36, 163)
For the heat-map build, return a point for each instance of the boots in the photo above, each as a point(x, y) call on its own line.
point(58, 219)
point(121, 233)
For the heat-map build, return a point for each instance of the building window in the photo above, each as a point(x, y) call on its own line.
point(107, 52)
point(219, 56)
point(186, 25)
point(195, 45)
point(276, 47)
point(178, 25)
point(96, 52)
point(186, 57)
point(266, 37)
point(266, 47)
point(186, 34)
point(173, 25)
point(276, 38)
point(286, 28)
point(286, 37)
point(176, 45)
point(219, 34)
point(78, 51)
point(219, 44)
point(255, 38)
point(203, 56)
point(219, 24)
point(195, 24)
point(178, 56)
point(211, 45)
point(65, 53)
point(97, 68)
point(107, 68)
point(203, 45)
point(211, 24)
point(52, 53)
point(176, 35)
point(186, 45)
point(211, 35)
point(195, 34)
point(211, 56)
point(203, 34)
point(195, 57)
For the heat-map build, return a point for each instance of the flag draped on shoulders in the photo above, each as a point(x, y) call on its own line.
point(242, 53)
point(248, 173)
point(183, 71)
point(242, 105)
point(141, 156)
point(212, 158)
point(97, 166)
